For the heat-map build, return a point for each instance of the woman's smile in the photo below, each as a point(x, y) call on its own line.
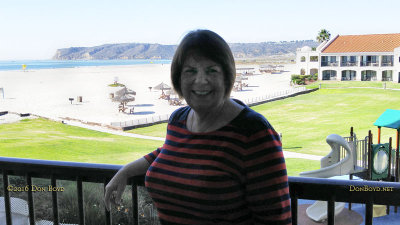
point(202, 83)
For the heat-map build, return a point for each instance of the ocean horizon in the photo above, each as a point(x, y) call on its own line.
point(55, 64)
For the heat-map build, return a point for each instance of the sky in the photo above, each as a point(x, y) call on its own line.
point(36, 29)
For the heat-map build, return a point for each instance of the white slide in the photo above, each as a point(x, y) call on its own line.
point(331, 166)
point(319, 210)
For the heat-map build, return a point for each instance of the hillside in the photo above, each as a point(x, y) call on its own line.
point(158, 51)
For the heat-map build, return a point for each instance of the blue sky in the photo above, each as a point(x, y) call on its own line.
point(36, 29)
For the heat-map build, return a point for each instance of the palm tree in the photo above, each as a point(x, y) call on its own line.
point(323, 35)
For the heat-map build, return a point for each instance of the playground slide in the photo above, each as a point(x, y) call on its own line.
point(319, 210)
point(331, 166)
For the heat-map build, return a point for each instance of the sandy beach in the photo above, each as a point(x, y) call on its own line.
point(46, 92)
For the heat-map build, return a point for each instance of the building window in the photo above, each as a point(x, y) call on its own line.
point(329, 75)
point(387, 75)
point(303, 59)
point(349, 75)
point(369, 60)
point(348, 61)
point(313, 58)
point(368, 75)
point(302, 72)
point(387, 60)
point(328, 61)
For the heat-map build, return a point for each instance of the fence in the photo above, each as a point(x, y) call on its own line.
point(387, 193)
point(126, 125)
point(275, 96)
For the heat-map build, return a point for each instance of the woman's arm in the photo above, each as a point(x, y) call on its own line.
point(267, 190)
point(116, 186)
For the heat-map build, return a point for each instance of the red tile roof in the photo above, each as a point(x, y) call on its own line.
point(364, 43)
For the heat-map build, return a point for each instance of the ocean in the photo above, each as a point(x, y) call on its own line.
point(54, 64)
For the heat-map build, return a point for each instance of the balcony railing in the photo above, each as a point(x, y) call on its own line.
point(329, 63)
point(369, 63)
point(384, 64)
point(348, 63)
point(300, 188)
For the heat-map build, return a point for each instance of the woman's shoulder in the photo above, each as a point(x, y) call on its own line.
point(179, 114)
point(251, 121)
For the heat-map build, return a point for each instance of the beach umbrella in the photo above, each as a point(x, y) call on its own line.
point(162, 86)
point(124, 95)
point(124, 98)
point(125, 91)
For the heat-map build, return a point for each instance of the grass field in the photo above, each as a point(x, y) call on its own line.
point(49, 140)
point(347, 84)
point(306, 120)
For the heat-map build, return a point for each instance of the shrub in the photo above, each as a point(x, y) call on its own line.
point(301, 79)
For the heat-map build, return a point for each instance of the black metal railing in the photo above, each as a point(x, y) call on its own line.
point(387, 64)
point(300, 188)
point(349, 63)
point(329, 63)
point(330, 190)
point(369, 63)
point(56, 171)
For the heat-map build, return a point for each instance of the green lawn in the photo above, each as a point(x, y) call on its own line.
point(49, 140)
point(295, 166)
point(306, 120)
point(342, 84)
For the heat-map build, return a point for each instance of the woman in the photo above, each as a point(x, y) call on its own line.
point(221, 162)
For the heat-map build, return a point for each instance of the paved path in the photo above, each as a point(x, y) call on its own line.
point(111, 131)
point(11, 118)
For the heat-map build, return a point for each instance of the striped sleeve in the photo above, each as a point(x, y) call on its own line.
point(152, 155)
point(267, 190)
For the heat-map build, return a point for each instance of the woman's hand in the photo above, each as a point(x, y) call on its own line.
point(114, 190)
point(117, 184)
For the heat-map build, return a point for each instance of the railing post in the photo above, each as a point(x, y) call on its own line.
point(368, 213)
point(55, 203)
point(79, 189)
point(7, 206)
point(293, 202)
point(107, 213)
point(331, 212)
point(135, 203)
point(30, 200)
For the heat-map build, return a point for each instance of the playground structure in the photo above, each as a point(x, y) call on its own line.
point(361, 158)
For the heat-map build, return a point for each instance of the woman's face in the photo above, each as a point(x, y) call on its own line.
point(202, 83)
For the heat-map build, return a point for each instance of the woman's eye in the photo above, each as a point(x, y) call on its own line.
point(212, 70)
point(190, 71)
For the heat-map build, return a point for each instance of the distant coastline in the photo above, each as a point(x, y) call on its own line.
point(56, 64)
point(130, 51)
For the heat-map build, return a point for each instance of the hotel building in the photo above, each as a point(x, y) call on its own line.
point(373, 57)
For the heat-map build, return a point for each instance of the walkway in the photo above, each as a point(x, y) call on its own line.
point(116, 132)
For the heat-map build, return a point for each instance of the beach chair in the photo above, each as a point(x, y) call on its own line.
point(121, 107)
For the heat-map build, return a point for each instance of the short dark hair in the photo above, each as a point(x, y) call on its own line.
point(210, 45)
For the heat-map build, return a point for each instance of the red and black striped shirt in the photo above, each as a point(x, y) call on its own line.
point(234, 175)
